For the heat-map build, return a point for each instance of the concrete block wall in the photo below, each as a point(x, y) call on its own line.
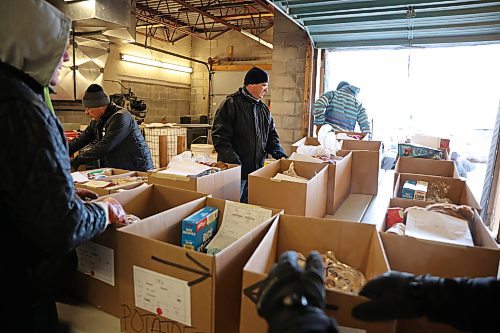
point(167, 93)
point(243, 47)
point(162, 101)
point(287, 79)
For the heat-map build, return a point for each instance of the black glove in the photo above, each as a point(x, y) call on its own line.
point(279, 154)
point(395, 295)
point(292, 299)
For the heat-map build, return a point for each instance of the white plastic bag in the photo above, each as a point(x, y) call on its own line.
point(327, 138)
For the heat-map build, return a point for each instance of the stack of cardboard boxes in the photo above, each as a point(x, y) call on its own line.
point(159, 285)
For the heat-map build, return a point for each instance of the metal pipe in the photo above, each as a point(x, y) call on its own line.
point(74, 61)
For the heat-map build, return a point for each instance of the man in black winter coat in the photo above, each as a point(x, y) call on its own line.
point(243, 131)
point(112, 137)
point(42, 218)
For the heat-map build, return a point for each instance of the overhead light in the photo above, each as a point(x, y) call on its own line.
point(257, 39)
point(155, 63)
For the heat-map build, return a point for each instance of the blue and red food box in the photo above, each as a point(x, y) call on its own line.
point(199, 228)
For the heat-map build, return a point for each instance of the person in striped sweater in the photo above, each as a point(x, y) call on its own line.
point(341, 109)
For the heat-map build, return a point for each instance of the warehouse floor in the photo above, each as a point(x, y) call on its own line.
point(84, 318)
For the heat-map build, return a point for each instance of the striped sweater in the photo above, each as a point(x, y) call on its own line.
point(341, 110)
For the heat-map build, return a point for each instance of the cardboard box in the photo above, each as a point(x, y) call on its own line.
point(355, 174)
point(430, 141)
point(355, 244)
point(364, 171)
point(305, 199)
point(305, 141)
point(225, 184)
point(459, 192)
point(424, 166)
point(196, 292)
point(363, 136)
point(115, 173)
point(418, 256)
point(98, 258)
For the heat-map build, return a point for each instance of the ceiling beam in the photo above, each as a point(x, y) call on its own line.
point(246, 16)
point(149, 19)
point(204, 13)
point(264, 4)
point(161, 15)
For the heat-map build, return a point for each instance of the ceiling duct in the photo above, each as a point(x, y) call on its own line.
point(102, 20)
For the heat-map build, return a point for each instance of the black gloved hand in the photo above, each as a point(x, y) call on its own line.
point(292, 299)
point(279, 154)
point(392, 295)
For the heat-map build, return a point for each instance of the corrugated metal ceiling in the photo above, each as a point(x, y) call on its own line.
point(358, 23)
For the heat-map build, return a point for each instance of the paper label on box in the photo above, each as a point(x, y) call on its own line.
point(163, 295)
point(97, 261)
point(238, 219)
point(343, 329)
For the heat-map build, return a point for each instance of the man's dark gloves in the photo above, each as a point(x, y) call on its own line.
point(292, 299)
point(395, 295)
point(279, 155)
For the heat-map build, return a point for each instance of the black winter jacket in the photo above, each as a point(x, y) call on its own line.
point(115, 140)
point(42, 219)
point(243, 132)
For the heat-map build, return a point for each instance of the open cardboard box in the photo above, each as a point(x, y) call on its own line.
point(353, 135)
point(339, 182)
point(459, 192)
point(356, 173)
point(225, 184)
point(305, 199)
point(425, 166)
point(355, 244)
point(115, 173)
point(419, 256)
point(197, 292)
point(97, 281)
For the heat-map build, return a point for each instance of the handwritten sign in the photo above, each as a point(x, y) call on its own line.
point(162, 294)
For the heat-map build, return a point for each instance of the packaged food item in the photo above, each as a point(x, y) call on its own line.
point(394, 215)
point(398, 229)
point(199, 228)
point(414, 150)
point(408, 190)
point(420, 190)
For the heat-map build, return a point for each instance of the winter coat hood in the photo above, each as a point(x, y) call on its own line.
point(35, 41)
point(350, 89)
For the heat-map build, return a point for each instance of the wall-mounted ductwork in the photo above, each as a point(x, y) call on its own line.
point(96, 24)
point(103, 20)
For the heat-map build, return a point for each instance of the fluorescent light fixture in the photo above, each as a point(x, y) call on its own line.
point(155, 63)
point(257, 39)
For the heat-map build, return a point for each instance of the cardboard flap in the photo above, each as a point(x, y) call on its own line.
point(361, 145)
point(266, 253)
point(171, 177)
point(160, 225)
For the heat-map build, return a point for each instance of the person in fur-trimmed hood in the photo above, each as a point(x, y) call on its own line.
point(42, 218)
